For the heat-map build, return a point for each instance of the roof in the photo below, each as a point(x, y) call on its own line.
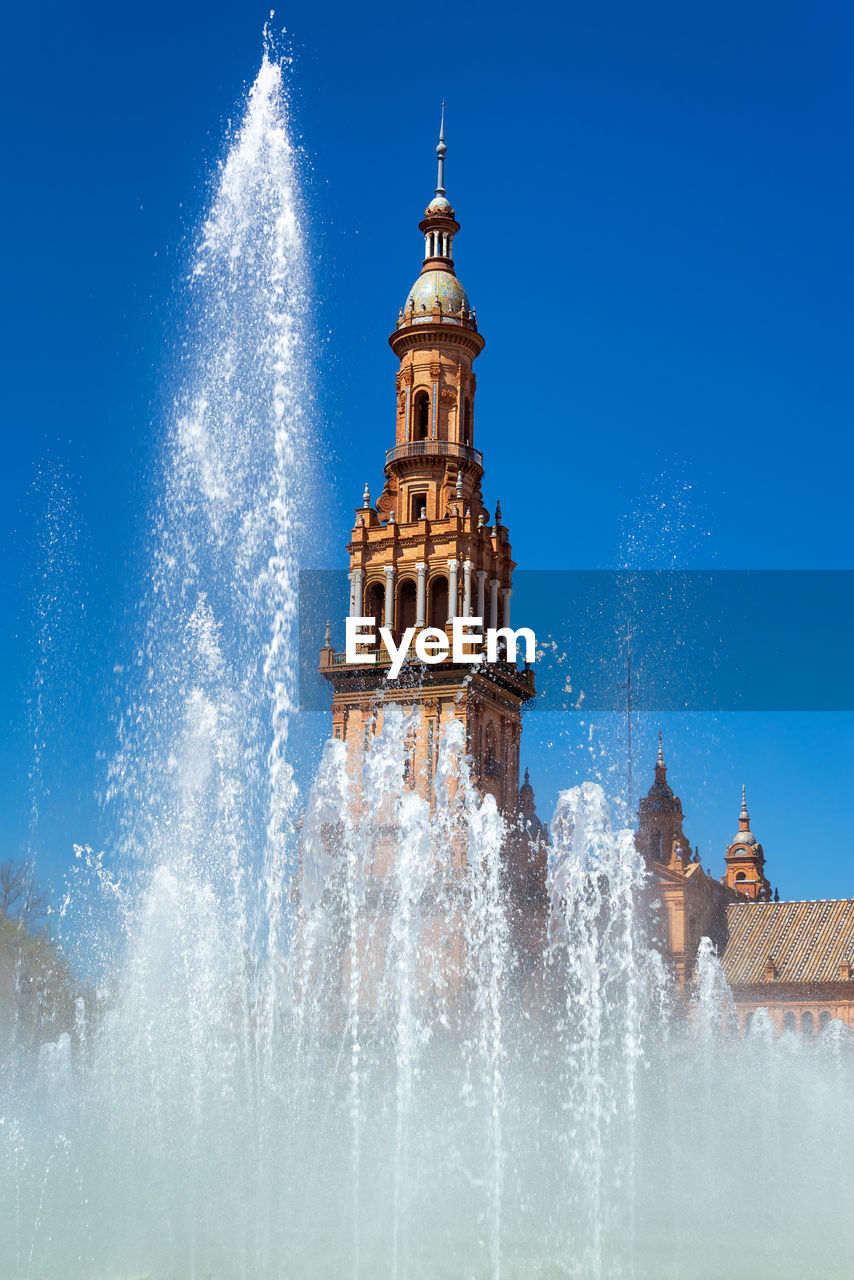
point(807, 941)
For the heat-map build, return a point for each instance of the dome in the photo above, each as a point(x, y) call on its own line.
point(745, 838)
point(439, 204)
point(437, 285)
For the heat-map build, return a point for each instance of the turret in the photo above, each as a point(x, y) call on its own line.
point(745, 860)
point(660, 837)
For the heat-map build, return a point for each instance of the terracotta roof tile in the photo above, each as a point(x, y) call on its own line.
point(807, 941)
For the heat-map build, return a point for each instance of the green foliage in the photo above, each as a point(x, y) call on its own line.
point(37, 987)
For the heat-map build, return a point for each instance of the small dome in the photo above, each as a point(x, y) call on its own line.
point(437, 285)
point(439, 204)
point(744, 837)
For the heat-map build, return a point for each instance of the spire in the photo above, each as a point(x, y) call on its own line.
point(744, 834)
point(661, 751)
point(440, 152)
point(437, 297)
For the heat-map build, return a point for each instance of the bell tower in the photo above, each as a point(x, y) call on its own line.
point(428, 550)
point(745, 860)
point(660, 837)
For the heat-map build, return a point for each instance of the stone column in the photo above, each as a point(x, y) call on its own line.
point(421, 598)
point(494, 584)
point(506, 593)
point(481, 595)
point(435, 375)
point(453, 573)
point(356, 578)
point(467, 568)
point(388, 619)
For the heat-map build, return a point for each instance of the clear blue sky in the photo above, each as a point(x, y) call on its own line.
point(656, 203)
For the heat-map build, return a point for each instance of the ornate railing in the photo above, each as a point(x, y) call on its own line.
point(434, 449)
point(382, 658)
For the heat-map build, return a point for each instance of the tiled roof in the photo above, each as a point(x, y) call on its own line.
point(807, 941)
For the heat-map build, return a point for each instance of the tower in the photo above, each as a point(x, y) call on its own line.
point(684, 903)
point(745, 860)
point(660, 837)
point(429, 550)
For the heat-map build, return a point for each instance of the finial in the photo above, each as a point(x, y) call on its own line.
point(744, 817)
point(391, 517)
point(497, 513)
point(366, 496)
point(440, 152)
point(660, 749)
point(527, 776)
point(459, 483)
point(327, 643)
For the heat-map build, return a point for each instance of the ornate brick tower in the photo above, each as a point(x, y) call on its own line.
point(428, 550)
point(745, 860)
point(660, 837)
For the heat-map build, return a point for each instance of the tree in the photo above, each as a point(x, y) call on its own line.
point(20, 897)
point(37, 988)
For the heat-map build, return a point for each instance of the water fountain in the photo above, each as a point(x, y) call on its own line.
point(288, 1074)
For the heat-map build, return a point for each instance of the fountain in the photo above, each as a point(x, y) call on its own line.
point(298, 1067)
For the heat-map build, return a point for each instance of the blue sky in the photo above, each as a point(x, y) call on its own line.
point(656, 204)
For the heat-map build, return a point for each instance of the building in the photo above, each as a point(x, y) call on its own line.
point(429, 550)
point(794, 959)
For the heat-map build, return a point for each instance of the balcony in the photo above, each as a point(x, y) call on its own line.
point(434, 449)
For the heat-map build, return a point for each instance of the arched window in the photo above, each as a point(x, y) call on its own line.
point(823, 1020)
point(739, 876)
point(790, 1022)
point(807, 1024)
point(375, 602)
point(467, 421)
point(438, 611)
point(655, 849)
point(422, 415)
point(406, 605)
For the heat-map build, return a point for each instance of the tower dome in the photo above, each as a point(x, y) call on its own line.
point(437, 284)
